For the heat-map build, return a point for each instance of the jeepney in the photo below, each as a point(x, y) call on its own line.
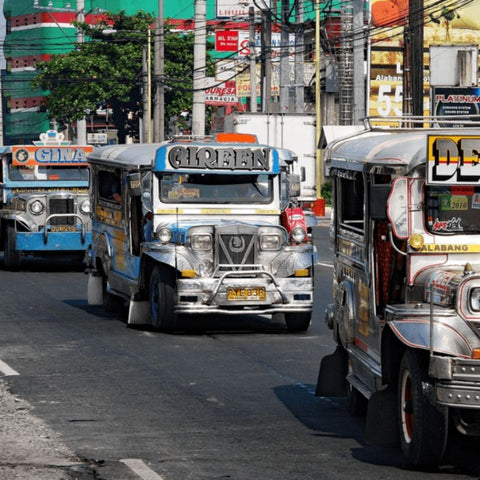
point(45, 202)
point(405, 240)
point(201, 228)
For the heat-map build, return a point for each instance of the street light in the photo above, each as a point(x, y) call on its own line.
point(146, 76)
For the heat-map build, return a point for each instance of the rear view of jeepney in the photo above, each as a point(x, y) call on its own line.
point(46, 206)
point(406, 287)
point(218, 236)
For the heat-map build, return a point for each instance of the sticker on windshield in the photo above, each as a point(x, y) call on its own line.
point(476, 201)
point(451, 225)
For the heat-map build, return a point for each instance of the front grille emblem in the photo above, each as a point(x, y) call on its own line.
point(236, 244)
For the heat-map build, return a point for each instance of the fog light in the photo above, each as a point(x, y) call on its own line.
point(302, 272)
point(189, 273)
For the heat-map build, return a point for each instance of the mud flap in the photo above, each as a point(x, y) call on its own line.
point(332, 375)
point(138, 312)
point(382, 426)
point(95, 290)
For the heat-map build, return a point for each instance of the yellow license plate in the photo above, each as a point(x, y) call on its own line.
point(242, 293)
point(64, 228)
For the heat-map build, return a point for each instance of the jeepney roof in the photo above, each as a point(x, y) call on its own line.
point(132, 155)
point(144, 154)
point(387, 147)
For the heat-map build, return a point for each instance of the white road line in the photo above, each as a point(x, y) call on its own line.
point(138, 467)
point(330, 265)
point(7, 370)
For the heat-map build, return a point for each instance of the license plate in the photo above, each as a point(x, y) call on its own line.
point(243, 293)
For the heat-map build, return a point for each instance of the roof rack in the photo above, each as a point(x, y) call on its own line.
point(421, 122)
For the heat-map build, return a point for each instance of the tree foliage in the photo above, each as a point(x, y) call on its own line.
point(107, 69)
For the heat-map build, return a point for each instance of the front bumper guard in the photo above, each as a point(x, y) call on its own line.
point(83, 231)
point(254, 271)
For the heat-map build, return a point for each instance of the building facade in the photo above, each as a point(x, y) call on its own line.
point(38, 29)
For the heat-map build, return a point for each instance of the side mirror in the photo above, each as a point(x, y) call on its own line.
point(294, 185)
point(134, 183)
point(397, 207)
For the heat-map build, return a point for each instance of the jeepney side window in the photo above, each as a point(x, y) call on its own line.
point(351, 203)
point(109, 186)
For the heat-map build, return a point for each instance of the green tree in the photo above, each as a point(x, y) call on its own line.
point(108, 70)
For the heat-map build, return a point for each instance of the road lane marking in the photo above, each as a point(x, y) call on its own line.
point(329, 265)
point(138, 467)
point(7, 370)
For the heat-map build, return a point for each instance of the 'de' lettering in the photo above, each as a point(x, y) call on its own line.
point(456, 160)
point(219, 158)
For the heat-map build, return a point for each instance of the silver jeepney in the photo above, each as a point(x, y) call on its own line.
point(406, 285)
point(201, 228)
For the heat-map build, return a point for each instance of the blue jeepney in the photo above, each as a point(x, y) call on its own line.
point(45, 202)
point(198, 228)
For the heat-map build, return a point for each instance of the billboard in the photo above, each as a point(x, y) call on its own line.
point(444, 24)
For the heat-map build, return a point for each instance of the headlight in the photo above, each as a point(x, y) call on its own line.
point(270, 242)
point(298, 234)
point(164, 235)
point(85, 207)
point(475, 299)
point(37, 207)
point(201, 241)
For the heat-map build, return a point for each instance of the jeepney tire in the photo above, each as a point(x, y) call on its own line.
point(298, 322)
point(162, 299)
point(11, 257)
point(423, 427)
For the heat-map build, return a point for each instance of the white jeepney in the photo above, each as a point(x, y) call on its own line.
point(195, 228)
point(406, 286)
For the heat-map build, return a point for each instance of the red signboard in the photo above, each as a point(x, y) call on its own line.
point(226, 40)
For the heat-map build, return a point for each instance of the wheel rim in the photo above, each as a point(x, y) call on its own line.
point(406, 400)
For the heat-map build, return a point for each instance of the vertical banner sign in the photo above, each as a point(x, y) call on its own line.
point(446, 25)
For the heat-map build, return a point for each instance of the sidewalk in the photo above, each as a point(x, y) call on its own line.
point(29, 449)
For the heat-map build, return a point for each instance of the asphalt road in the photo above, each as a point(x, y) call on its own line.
point(224, 398)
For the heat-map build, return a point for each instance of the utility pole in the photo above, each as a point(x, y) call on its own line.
point(415, 56)
point(199, 66)
point(253, 63)
point(81, 123)
point(318, 91)
point(159, 75)
point(266, 61)
point(299, 58)
point(284, 58)
point(358, 62)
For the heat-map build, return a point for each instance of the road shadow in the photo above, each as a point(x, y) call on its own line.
point(53, 262)
point(198, 325)
point(327, 417)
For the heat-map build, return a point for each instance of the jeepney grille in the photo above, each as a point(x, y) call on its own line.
point(235, 247)
point(62, 205)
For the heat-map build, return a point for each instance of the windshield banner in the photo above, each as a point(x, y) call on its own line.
point(55, 155)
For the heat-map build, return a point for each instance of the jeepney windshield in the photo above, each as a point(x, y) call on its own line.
point(452, 209)
point(30, 173)
point(216, 188)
